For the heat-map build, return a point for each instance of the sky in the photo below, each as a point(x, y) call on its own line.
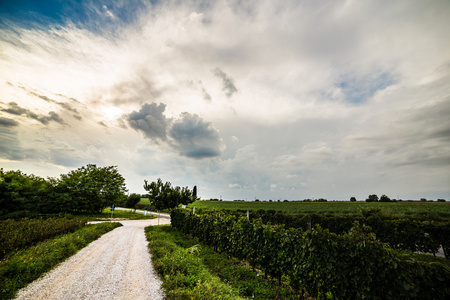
point(244, 99)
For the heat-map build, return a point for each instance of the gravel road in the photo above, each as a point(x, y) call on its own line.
point(116, 266)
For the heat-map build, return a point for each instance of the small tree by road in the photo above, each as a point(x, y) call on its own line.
point(132, 200)
point(92, 188)
point(165, 196)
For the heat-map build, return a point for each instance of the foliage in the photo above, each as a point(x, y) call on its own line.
point(20, 268)
point(92, 188)
point(15, 235)
point(132, 200)
point(182, 270)
point(21, 193)
point(118, 214)
point(167, 241)
point(415, 233)
point(350, 266)
point(88, 189)
point(343, 207)
point(385, 198)
point(164, 196)
point(372, 198)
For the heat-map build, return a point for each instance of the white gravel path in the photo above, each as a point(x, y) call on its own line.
point(116, 266)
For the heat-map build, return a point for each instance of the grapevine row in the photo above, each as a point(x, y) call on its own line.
point(353, 265)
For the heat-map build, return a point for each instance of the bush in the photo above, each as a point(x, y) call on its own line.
point(15, 235)
point(132, 200)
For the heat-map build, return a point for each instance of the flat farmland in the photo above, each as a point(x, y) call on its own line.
point(441, 208)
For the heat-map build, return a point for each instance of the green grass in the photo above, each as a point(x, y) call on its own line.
point(118, 214)
point(190, 270)
point(442, 208)
point(22, 267)
point(144, 201)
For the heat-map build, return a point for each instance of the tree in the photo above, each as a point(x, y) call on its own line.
point(352, 199)
point(92, 188)
point(164, 196)
point(21, 194)
point(132, 200)
point(372, 198)
point(385, 198)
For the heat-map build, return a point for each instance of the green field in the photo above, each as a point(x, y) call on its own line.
point(145, 201)
point(442, 208)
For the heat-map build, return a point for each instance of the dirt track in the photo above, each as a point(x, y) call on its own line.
point(116, 266)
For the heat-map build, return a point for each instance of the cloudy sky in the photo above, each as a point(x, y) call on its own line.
point(245, 99)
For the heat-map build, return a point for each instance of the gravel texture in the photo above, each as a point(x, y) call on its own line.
point(116, 266)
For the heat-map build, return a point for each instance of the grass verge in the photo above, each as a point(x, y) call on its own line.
point(118, 214)
point(190, 270)
point(20, 268)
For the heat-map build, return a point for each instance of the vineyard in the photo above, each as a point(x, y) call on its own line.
point(352, 265)
point(344, 207)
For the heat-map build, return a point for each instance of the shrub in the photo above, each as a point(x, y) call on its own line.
point(15, 235)
point(132, 200)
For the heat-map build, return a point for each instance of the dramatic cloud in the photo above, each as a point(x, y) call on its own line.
point(195, 138)
point(189, 135)
point(5, 122)
point(15, 109)
point(151, 120)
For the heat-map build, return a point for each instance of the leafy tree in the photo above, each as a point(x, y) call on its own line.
point(164, 196)
point(21, 193)
point(91, 188)
point(132, 200)
point(353, 199)
point(385, 198)
point(372, 198)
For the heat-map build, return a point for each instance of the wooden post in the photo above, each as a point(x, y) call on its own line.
point(309, 222)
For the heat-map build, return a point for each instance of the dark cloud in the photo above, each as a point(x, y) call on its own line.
point(228, 83)
point(9, 146)
point(15, 109)
point(151, 120)
point(194, 137)
point(52, 116)
point(189, 135)
point(5, 122)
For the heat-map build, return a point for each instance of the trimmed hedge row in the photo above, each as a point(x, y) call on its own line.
point(26, 232)
point(414, 233)
point(350, 266)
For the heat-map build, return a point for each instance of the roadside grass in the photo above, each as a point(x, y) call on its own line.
point(144, 201)
point(439, 208)
point(24, 266)
point(190, 270)
point(118, 214)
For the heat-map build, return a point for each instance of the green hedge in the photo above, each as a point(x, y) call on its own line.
point(15, 235)
point(353, 265)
